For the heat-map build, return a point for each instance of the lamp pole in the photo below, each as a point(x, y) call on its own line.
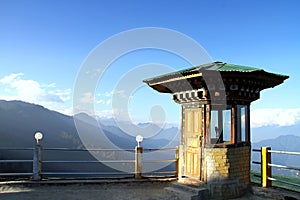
point(37, 157)
point(138, 157)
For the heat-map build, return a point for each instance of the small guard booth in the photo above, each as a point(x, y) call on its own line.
point(215, 142)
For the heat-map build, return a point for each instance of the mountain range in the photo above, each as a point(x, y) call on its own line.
point(19, 121)
point(289, 143)
point(270, 132)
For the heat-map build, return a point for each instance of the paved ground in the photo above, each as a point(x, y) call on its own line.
point(86, 191)
point(90, 191)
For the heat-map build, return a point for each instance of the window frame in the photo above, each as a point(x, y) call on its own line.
point(239, 128)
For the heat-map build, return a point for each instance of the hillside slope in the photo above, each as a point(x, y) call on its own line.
point(281, 143)
point(19, 121)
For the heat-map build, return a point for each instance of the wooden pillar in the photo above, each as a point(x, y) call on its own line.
point(207, 124)
point(181, 169)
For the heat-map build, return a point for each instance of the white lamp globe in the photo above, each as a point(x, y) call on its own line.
point(38, 136)
point(139, 138)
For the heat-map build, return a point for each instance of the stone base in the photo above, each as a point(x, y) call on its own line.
point(188, 188)
point(188, 192)
point(191, 182)
point(226, 189)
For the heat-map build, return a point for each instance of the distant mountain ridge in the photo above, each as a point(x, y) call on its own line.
point(269, 132)
point(20, 120)
point(283, 143)
point(288, 143)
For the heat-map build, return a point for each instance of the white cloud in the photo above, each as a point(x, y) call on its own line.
point(63, 94)
point(117, 93)
point(105, 114)
point(277, 117)
point(27, 89)
point(106, 94)
point(51, 85)
point(15, 87)
point(87, 98)
point(121, 94)
point(100, 101)
point(108, 102)
point(106, 97)
point(104, 102)
point(8, 79)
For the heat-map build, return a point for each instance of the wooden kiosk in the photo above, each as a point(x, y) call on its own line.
point(215, 124)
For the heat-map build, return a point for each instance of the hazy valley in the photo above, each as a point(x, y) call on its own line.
point(19, 121)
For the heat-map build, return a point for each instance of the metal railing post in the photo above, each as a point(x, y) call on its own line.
point(266, 170)
point(37, 162)
point(138, 162)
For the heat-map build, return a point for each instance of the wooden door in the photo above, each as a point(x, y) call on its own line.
point(192, 137)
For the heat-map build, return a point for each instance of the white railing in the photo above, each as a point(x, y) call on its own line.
point(137, 162)
point(266, 166)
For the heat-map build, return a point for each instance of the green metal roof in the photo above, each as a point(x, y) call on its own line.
point(215, 66)
point(162, 83)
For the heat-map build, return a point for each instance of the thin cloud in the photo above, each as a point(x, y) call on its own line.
point(105, 113)
point(106, 97)
point(104, 102)
point(65, 95)
point(105, 94)
point(274, 117)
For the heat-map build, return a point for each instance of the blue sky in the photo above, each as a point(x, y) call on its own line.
point(43, 45)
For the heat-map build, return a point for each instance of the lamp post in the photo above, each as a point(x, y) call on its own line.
point(37, 157)
point(138, 157)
